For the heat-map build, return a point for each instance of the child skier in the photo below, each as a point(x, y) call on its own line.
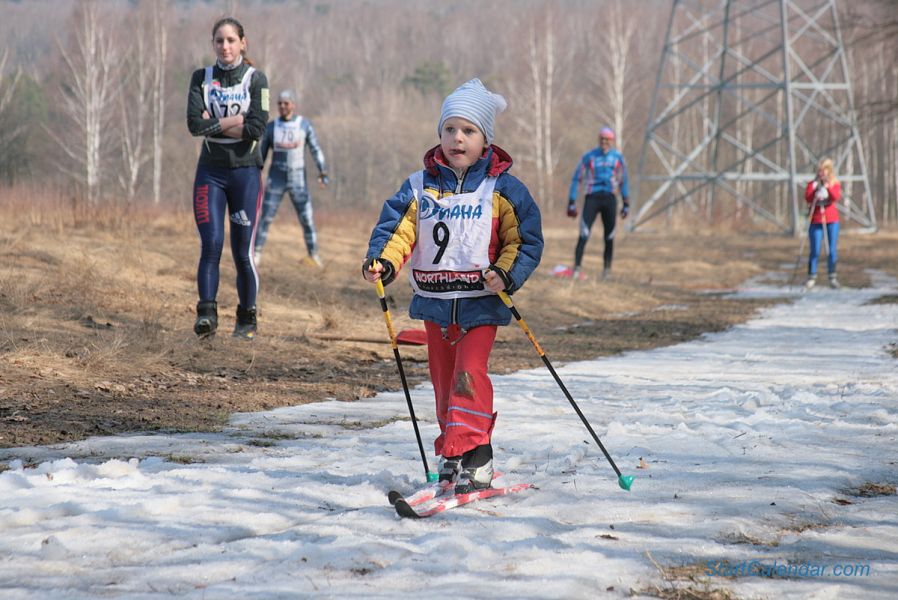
point(469, 229)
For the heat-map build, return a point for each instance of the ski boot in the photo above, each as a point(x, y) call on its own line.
point(206, 318)
point(449, 468)
point(476, 470)
point(246, 323)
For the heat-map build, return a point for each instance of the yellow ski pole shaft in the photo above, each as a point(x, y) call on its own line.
point(379, 286)
point(624, 481)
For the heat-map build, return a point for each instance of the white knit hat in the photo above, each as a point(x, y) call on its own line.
point(472, 101)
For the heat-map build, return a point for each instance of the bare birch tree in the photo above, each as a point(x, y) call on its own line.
point(10, 131)
point(135, 89)
point(537, 95)
point(160, 34)
point(613, 77)
point(538, 125)
point(88, 96)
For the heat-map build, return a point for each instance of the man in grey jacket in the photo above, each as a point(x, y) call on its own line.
point(287, 138)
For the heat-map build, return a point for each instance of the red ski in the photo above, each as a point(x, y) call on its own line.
point(428, 492)
point(431, 491)
point(442, 504)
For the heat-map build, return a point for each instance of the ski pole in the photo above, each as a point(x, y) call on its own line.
point(408, 398)
point(624, 481)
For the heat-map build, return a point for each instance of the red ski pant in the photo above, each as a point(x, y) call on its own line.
point(462, 387)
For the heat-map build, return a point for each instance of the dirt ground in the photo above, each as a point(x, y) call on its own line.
point(96, 320)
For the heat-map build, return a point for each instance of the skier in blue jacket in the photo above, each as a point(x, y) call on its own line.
point(603, 173)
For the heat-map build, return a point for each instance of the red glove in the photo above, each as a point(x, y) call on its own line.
point(572, 210)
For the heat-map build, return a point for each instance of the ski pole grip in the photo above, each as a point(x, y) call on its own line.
point(388, 319)
point(379, 285)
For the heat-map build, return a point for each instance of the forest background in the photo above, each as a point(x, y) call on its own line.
point(92, 92)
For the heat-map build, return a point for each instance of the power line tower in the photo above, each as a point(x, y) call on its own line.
point(750, 95)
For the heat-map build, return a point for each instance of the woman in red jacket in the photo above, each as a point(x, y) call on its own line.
point(821, 195)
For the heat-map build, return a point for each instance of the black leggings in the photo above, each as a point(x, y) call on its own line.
point(606, 204)
point(227, 194)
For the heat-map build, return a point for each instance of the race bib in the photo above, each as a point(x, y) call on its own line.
point(452, 241)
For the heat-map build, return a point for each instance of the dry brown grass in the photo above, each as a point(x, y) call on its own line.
point(887, 299)
point(689, 592)
point(97, 307)
point(873, 489)
point(740, 537)
point(697, 586)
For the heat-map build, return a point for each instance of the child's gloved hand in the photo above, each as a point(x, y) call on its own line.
point(372, 269)
point(496, 280)
point(625, 210)
point(493, 282)
point(572, 210)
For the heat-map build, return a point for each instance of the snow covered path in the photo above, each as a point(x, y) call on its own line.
point(749, 437)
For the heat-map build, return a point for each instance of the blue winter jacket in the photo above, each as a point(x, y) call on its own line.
point(600, 172)
point(516, 244)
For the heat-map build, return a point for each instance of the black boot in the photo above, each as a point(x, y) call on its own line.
point(206, 318)
point(476, 470)
point(246, 323)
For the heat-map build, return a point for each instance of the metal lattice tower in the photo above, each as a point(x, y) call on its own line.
point(750, 94)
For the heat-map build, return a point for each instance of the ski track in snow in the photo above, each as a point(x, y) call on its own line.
point(748, 436)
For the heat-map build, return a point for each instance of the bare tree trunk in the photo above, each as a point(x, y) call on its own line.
point(622, 31)
point(539, 117)
point(612, 78)
point(535, 124)
point(11, 130)
point(7, 88)
point(88, 95)
point(548, 159)
point(135, 88)
point(158, 109)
